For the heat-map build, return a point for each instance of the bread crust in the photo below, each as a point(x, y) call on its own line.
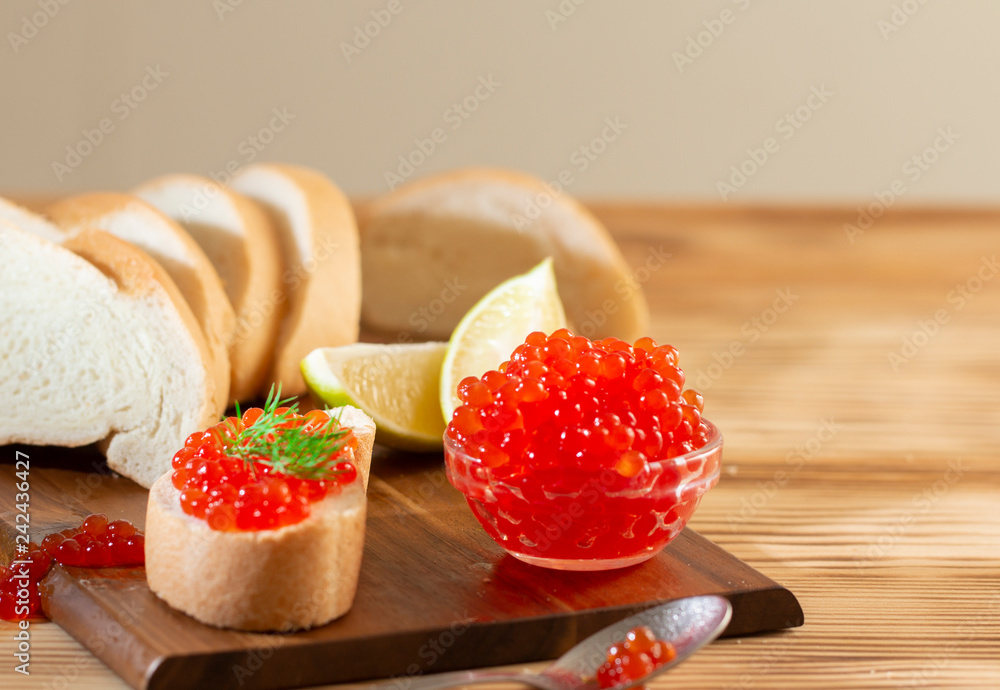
point(295, 577)
point(590, 269)
point(291, 578)
point(136, 272)
point(257, 296)
point(324, 291)
point(200, 285)
point(363, 427)
point(28, 220)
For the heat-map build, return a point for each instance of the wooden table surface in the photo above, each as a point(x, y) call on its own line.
point(856, 377)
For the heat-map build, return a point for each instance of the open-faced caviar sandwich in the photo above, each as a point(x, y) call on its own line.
point(260, 524)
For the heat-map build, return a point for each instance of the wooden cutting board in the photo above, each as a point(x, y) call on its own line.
point(435, 594)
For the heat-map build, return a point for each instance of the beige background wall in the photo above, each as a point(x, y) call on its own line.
point(873, 83)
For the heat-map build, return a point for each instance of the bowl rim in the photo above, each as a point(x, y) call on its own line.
point(713, 445)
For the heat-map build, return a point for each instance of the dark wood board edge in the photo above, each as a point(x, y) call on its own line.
point(107, 634)
point(105, 630)
point(494, 644)
point(777, 606)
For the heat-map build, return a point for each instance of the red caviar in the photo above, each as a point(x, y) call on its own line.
point(233, 493)
point(94, 544)
point(582, 450)
point(635, 657)
point(616, 405)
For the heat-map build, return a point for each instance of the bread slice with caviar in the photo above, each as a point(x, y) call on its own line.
point(303, 574)
point(433, 247)
point(133, 220)
point(99, 346)
point(322, 266)
point(236, 235)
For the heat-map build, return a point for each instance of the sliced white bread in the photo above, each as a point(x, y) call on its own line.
point(138, 223)
point(99, 345)
point(30, 221)
point(236, 235)
point(433, 247)
point(303, 575)
point(322, 276)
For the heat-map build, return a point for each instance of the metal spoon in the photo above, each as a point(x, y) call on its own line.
point(688, 624)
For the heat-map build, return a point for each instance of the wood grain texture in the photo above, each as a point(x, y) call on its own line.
point(887, 527)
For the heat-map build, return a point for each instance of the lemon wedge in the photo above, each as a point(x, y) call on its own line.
point(498, 323)
point(395, 384)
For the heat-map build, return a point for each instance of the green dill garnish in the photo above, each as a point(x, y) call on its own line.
point(306, 453)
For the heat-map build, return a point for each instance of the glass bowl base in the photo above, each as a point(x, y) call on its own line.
point(584, 564)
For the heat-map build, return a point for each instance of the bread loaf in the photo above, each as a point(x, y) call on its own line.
point(236, 235)
point(433, 247)
point(99, 345)
point(138, 223)
point(319, 239)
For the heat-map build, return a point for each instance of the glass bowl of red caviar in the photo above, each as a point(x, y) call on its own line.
point(597, 520)
point(585, 468)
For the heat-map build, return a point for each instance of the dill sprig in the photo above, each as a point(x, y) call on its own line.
point(297, 451)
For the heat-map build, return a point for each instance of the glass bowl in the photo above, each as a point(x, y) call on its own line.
point(573, 519)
